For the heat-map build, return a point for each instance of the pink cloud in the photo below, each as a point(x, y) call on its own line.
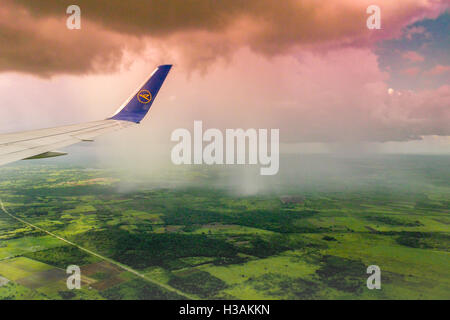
point(413, 71)
point(413, 56)
point(438, 69)
point(310, 97)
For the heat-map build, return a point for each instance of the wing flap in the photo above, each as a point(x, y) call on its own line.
point(49, 154)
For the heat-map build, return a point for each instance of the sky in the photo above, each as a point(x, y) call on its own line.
point(309, 68)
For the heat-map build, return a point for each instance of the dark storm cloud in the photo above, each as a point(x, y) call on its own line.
point(34, 38)
point(46, 47)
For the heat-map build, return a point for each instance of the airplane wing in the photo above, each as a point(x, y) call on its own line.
point(44, 143)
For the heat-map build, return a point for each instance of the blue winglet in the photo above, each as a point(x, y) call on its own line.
point(137, 106)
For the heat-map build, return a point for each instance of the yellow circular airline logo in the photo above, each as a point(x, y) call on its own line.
point(144, 96)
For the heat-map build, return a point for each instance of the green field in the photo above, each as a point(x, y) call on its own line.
point(309, 233)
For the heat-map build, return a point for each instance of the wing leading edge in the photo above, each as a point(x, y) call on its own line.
point(44, 142)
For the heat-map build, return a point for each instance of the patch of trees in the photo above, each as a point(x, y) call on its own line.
point(424, 240)
point(394, 221)
point(139, 290)
point(328, 238)
point(278, 220)
point(141, 250)
point(200, 283)
point(342, 274)
point(61, 257)
point(67, 295)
